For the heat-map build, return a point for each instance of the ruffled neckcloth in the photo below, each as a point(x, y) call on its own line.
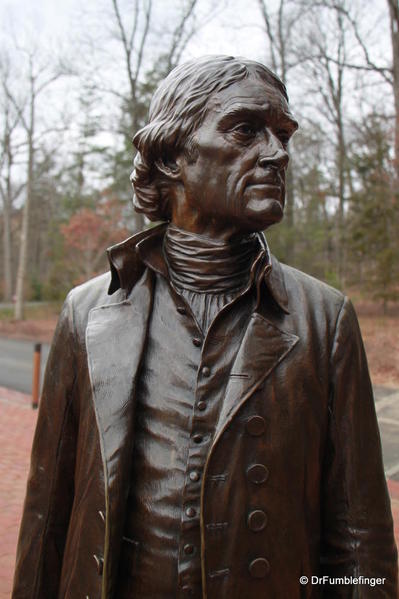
point(208, 273)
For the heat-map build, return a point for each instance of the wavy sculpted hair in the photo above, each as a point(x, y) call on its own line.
point(177, 109)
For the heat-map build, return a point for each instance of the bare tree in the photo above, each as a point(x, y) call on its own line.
point(389, 73)
point(185, 28)
point(280, 28)
point(325, 52)
point(394, 23)
point(40, 76)
point(133, 44)
point(8, 191)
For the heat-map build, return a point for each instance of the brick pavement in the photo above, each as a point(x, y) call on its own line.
point(17, 425)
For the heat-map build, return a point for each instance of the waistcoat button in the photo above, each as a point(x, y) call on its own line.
point(181, 310)
point(190, 512)
point(256, 520)
point(197, 438)
point(201, 405)
point(259, 567)
point(99, 563)
point(206, 371)
point(188, 549)
point(255, 426)
point(194, 476)
point(197, 341)
point(257, 473)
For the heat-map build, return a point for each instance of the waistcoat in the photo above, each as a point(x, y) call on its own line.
point(181, 385)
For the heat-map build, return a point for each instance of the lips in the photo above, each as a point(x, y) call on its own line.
point(265, 184)
point(276, 185)
point(268, 180)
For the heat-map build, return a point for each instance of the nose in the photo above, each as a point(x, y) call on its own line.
point(272, 152)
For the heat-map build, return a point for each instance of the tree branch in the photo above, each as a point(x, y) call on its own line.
point(269, 31)
point(126, 47)
point(178, 34)
point(143, 39)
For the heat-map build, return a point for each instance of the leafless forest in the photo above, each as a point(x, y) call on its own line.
point(69, 109)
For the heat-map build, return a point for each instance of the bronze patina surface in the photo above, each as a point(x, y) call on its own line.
point(207, 425)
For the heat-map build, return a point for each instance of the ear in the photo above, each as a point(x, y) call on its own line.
point(171, 170)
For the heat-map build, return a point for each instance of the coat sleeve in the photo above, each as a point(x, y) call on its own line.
point(50, 487)
point(357, 538)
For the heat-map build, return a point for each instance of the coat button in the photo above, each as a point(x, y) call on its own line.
point(198, 438)
point(188, 549)
point(181, 310)
point(190, 512)
point(99, 563)
point(201, 405)
point(194, 476)
point(257, 520)
point(257, 473)
point(206, 371)
point(259, 567)
point(197, 341)
point(255, 426)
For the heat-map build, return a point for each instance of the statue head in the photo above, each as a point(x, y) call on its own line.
point(205, 120)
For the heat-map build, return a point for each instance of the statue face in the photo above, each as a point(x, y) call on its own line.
point(237, 178)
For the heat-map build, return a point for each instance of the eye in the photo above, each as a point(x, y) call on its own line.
point(245, 129)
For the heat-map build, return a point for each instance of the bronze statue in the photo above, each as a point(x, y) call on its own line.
point(207, 426)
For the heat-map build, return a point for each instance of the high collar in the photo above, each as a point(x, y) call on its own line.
point(129, 258)
point(200, 264)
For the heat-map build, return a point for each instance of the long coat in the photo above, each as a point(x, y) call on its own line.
point(316, 503)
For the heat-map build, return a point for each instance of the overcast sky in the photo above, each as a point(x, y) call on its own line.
point(62, 19)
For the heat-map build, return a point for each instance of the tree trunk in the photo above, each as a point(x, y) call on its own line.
point(289, 216)
point(394, 19)
point(341, 199)
point(7, 253)
point(23, 249)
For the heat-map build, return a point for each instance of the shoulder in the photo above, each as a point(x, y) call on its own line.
point(312, 289)
point(311, 302)
point(91, 294)
point(316, 308)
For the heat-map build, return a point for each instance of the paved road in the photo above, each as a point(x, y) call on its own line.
point(8, 305)
point(16, 358)
point(387, 408)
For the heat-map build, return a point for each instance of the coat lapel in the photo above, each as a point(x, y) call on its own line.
point(263, 347)
point(115, 338)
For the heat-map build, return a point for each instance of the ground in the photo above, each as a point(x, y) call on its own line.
point(381, 340)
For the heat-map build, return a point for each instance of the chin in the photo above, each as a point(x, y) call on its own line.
point(262, 215)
